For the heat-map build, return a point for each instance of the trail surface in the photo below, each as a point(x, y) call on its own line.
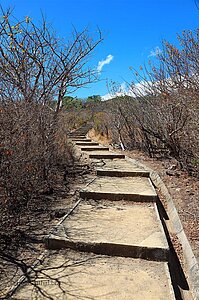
point(112, 244)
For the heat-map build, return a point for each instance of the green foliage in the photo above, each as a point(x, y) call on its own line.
point(69, 103)
point(94, 99)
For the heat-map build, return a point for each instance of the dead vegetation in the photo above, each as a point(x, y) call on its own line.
point(37, 68)
point(160, 113)
point(36, 159)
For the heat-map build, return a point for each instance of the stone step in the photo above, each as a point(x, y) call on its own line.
point(81, 140)
point(122, 173)
point(88, 276)
point(110, 249)
point(106, 155)
point(138, 189)
point(115, 230)
point(86, 143)
point(121, 168)
point(94, 148)
point(78, 136)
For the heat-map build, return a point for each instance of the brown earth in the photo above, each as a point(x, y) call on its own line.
point(183, 188)
point(34, 223)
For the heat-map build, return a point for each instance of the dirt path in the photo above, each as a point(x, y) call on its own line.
point(112, 244)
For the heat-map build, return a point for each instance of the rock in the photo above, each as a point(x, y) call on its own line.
point(172, 173)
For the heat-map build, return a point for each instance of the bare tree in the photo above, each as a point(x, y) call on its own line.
point(38, 66)
point(36, 70)
point(161, 114)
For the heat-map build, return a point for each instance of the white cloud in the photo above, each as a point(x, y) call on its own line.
point(133, 91)
point(107, 97)
point(122, 91)
point(143, 88)
point(155, 52)
point(106, 61)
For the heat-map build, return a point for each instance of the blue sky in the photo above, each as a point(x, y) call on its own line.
point(132, 29)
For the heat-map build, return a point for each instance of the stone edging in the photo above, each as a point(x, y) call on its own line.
point(191, 264)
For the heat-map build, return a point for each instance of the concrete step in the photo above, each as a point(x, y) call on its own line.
point(86, 276)
point(94, 148)
point(138, 189)
point(81, 140)
point(106, 155)
point(77, 136)
point(122, 173)
point(86, 143)
point(110, 249)
point(115, 230)
point(121, 168)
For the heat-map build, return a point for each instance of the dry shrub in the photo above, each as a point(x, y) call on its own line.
point(37, 69)
point(100, 123)
point(34, 155)
point(161, 126)
point(161, 115)
point(30, 150)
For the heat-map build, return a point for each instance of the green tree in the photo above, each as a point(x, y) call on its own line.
point(69, 102)
point(94, 99)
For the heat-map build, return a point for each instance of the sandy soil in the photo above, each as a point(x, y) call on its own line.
point(183, 188)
